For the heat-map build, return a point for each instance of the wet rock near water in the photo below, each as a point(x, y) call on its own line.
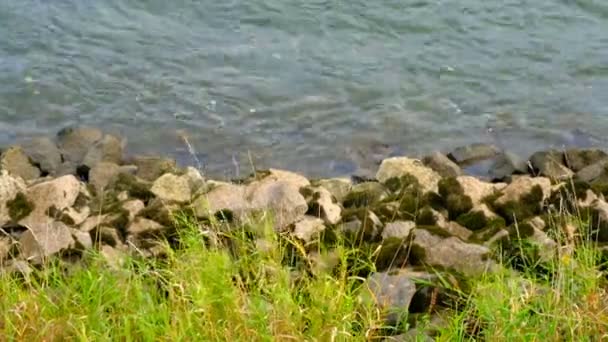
point(79, 192)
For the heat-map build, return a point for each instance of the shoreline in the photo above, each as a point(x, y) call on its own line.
point(61, 198)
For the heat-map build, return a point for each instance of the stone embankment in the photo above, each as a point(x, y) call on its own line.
point(63, 196)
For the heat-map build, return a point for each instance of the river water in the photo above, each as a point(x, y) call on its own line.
point(317, 86)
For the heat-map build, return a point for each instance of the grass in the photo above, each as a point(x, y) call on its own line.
point(239, 288)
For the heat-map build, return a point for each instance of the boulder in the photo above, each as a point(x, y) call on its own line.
point(224, 196)
point(465, 155)
point(401, 166)
point(17, 163)
point(323, 205)
point(172, 188)
point(308, 228)
point(195, 178)
point(578, 159)
point(59, 193)
point(362, 225)
point(292, 178)
point(550, 164)
point(83, 240)
point(365, 194)
point(443, 165)
point(112, 256)
point(596, 172)
point(398, 229)
point(44, 240)
point(150, 168)
point(74, 142)
point(142, 227)
point(523, 185)
point(477, 190)
point(133, 207)
point(337, 187)
point(44, 153)
point(281, 197)
point(101, 174)
point(9, 188)
point(392, 293)
point(108, 149)
point(505, 165)
point(450, 253)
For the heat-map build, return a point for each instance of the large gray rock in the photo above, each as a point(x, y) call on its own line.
point(101, 174)
point(281, 197)
point(477, 189)
point(337, 187)
point(43, 152)
point(74, 142)
point(401, 166)
point(596, 172)
point(308, 227)
point(505, 165)
point(224, 196)
point(464, 155)
point(322, 205)
point(441, 164)
point(9, 188)
point(578, 159)
point(450, 253)
point(398, 229)
point(150, 168)
point(108, 149)
point(393, 292)
point(60, 193)
point(17, 163)
point(550, 164)
point(172, 188)
point(44, 240)
point(522, 185)
point(143, 227)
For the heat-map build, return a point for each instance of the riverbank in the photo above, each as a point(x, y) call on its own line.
point(96, 244)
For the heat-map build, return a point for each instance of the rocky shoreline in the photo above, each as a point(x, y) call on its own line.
point(78, 191)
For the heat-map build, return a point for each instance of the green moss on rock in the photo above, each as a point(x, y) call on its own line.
point(19, 207)
point(393, 252)
point(529, 205)
point(457, 204)
point(473, 220)
point(426, 217)
point(135, 188)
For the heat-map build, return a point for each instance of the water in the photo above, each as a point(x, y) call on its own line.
point(316, 86)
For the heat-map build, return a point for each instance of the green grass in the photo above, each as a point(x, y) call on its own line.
point(267, 289)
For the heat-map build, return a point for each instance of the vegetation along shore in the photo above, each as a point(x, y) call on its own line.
point(472, 245)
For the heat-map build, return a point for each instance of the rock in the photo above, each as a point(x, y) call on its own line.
point(150, 168)
point(450, 253)
point(72, 216)
point(17, 163)
point(280, 197)
point(224, 196)
point(547, 246)
point(44, 153)
point(195, 179)
point(477, 190)
point(92, 222)
point(308, 227)
point(141, 227)
point(464, 155)
point(550, 164)
point(292, 178)
point(101, 174)
point(60, 193)
point(106, 235)
point(456, 230)
point(337, 187)
point(537, 223)
point(323, 206)
point(505, 165)
point(596, 172)
point(398, 229)
point(113, 257)
point(5, 248)
point(83, 239)
point(108, 149)
point(74, 142)
point(578, 159)
point(172, 188)
point(9, 188)
point(18, 267)
point(442, 165)
point(44, 240)
point(523, 185)
point(393, 293)
point(133, 207)
point(363, 225)
point(599, 221)
point(365, 194)
point(401, 166)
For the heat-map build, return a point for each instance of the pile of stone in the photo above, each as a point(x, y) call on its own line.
point(60, 197)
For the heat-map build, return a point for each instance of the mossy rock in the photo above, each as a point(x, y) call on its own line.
point(457, 204)
point(136, 188)
point(426, 217)
point(365, 194)
point(450, 186)
point(405, 183)
point(436, 230)
point(393, 252)
point(489, 231)
point(19, 207)
point(473, 220)
point(529, 205)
